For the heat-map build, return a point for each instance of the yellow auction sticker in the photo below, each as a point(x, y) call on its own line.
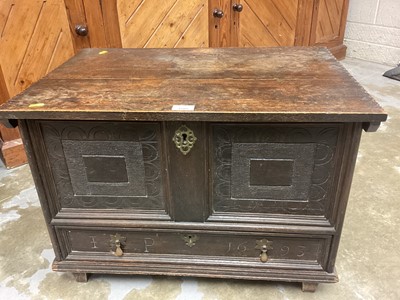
point(36, 105)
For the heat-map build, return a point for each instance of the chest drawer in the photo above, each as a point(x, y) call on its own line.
point(260, 250)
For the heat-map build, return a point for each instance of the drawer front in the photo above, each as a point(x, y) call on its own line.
point(281, 251)
point(274, 169)
point(105, 165)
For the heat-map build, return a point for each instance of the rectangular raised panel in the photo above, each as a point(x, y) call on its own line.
point(301, 159)
point(106, 169)
point(271, 172)
point(105, 165)
point(274, 169)
point(95, 172)
point(294, 251)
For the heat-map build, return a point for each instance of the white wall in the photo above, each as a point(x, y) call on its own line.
point(373, 31)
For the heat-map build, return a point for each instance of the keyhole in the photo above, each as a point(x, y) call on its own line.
point(184, 137)
point(190, 237)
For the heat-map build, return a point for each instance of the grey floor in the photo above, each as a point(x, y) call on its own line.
point(368, 262)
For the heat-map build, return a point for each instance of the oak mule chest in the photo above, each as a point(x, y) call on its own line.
point(229, 163)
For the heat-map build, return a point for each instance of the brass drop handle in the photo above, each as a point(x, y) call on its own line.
point(218, 13)
point(263, 255)
point(81, 30)
point(237, 7)
point(116, 242)
point(118, 250)
point(264, 245)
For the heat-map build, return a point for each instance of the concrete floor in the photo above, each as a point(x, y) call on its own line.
point(368, 262)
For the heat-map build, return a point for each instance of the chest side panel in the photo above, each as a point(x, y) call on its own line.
point(274, 169)
point(105, 165)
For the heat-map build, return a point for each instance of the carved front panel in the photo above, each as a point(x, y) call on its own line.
point(273, 169)
point(105, 165)
point(299, 250)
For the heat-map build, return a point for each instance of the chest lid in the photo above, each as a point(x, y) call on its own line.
point(293, 84)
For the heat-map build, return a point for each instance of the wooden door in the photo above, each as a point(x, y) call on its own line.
point(260, 23)
point(329, 23)
point(163, 24)
point(34, 39)
point(268, 23)
point(100, 20)
point(192, 23)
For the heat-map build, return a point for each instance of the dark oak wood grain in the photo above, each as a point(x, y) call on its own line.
point(187, 174)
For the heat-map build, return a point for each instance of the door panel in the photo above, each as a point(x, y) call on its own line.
point(328, 25)
point(101, 20)
point(268, 23)
point(254, 33)
point(196, 34)
point(159, 24)
point(31, 42)
point(328, 20)
point(221, 28)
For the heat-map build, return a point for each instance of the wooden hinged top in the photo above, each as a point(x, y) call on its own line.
point(226, 84)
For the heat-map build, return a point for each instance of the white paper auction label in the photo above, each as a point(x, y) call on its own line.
point(183, 107)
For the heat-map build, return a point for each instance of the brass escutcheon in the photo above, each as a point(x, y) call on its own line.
point(264, 245)
point(190, 239)
point(116, 242)
point(184, 139)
